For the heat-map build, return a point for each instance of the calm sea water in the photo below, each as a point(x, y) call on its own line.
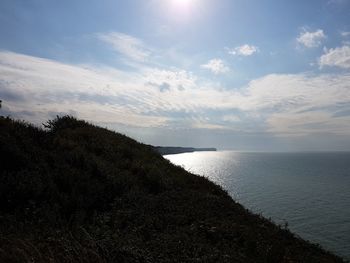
point(310, 191)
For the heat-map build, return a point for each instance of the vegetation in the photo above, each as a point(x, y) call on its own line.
point(74, 192)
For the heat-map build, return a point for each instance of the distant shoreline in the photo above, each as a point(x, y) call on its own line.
point(177, 150)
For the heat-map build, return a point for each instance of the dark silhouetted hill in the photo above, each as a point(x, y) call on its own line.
point(74, 192)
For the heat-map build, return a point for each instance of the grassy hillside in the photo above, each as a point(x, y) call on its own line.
point(75, 192)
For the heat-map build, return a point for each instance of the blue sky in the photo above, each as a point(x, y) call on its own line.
point(233, 74)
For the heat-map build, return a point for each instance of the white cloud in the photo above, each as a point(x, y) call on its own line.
point(176, 79)
point(217, 66)
point(97, 94)
point(300, 104)
point(230, 118)
point(345, 34)
point(296, 92)
point(129, 46)
point(207, 125)
point(311, 39)
point(244, 50)
point(282, 104)
point(336, 57)
point(337, 2)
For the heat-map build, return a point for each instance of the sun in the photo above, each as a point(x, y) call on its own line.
point(183, 3)
point(179, 11)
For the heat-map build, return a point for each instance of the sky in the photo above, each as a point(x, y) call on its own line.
point(245, 75)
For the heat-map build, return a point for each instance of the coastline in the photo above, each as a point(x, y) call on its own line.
point(166, 150)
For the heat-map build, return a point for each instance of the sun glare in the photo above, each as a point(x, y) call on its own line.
point(183, 4)
point(181, 11)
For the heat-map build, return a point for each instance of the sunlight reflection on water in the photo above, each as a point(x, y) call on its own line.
point(309, 190)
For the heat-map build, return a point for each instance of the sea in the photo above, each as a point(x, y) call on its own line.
point(309, 191)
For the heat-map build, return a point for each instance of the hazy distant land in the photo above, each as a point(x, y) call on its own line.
point(175, 150)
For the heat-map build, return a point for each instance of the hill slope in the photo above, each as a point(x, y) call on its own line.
point(79, 193)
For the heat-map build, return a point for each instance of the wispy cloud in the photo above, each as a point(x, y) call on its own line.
point(49, 86)
point(217, 66)
point(345, 34)
point(301, 104)
point(129, 46)
point(337, 2)
point(244, 50)
point(311, 39)
point(230, 118)
point(336, 57)
point(173, 79)
point(281, 104)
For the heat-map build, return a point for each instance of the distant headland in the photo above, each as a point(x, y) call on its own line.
point(175, 150)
